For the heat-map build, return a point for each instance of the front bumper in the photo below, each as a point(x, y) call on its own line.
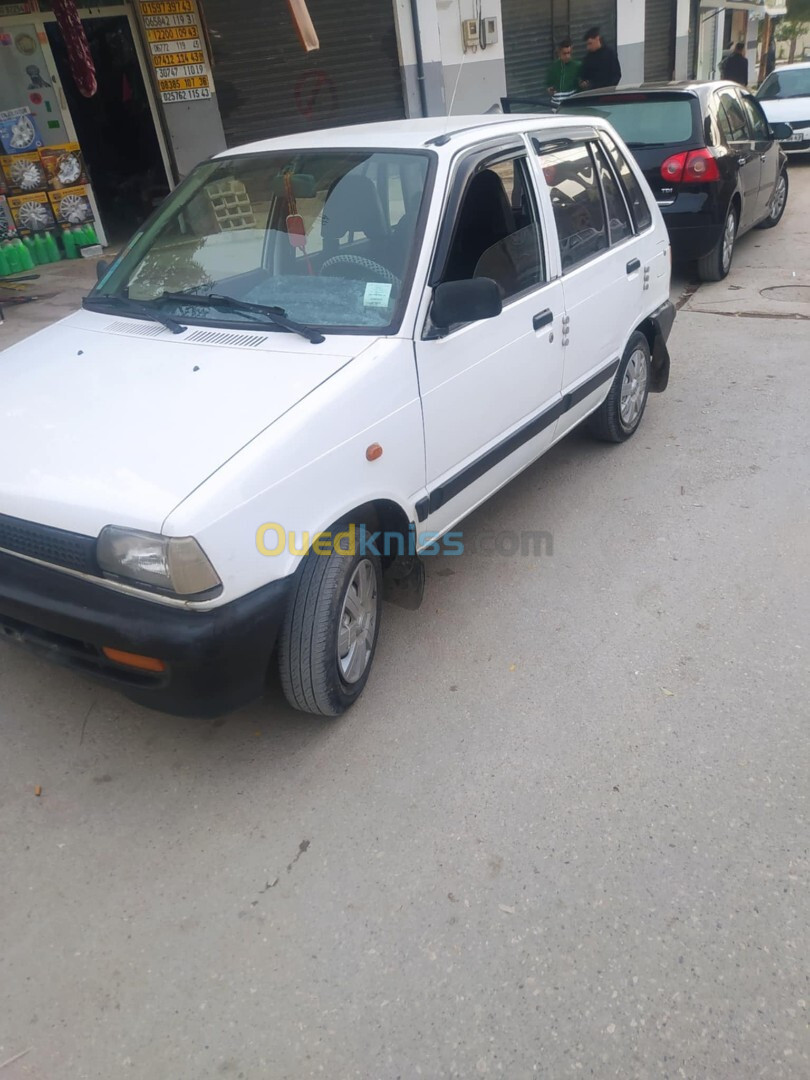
point(216, 660)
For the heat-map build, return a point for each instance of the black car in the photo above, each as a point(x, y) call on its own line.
point(710, 156)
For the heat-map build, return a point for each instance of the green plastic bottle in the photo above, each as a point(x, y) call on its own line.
point(13, 256)
point(4, 270)
point(69, 242)
point(90, 233)
point(26, 261)
point(51, 248)
point(31, 248)
point(40, 252)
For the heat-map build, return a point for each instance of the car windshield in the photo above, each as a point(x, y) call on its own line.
point(786, 84)
point(322, 238)
point(641, 119)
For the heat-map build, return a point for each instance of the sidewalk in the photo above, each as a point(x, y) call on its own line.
point(61, 287)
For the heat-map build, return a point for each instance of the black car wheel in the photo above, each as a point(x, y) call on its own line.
point(716, 265)
point(620, 413)
point(778, 202)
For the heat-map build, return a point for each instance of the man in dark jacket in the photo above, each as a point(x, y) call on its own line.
point(600, 67)
point(735, 66)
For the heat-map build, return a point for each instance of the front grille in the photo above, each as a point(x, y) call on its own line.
point(49, 545)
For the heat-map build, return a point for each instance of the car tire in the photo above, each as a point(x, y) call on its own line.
point(778, 202)
point(716, 265)
point(619, 415)
point(329, 635)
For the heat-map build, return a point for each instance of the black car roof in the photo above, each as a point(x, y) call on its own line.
point(700, 89)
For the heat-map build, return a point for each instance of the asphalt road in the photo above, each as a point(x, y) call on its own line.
point(563, 834)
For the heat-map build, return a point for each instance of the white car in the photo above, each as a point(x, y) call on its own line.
point(314, 340)
point(785, 98)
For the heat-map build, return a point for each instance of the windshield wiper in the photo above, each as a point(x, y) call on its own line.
point(275, 315)
point(134, 307)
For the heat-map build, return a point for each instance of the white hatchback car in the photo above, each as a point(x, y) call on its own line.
point(318, 356)
point(785, 98)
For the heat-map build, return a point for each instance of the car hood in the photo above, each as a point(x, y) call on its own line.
point(787, 109)
point(115, 421)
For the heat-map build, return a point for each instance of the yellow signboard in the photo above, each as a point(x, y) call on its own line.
point(167, 7)
point(179, 59)
point(176, 59)
point(194, 83)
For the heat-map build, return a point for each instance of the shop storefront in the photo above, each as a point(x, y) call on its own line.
point(78, 165)
point(532, 28)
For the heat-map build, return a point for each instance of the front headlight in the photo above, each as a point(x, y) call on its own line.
point(174, 564)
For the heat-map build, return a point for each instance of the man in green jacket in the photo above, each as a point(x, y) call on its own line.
point(562, 78)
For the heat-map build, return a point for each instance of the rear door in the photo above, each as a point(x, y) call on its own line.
point(731, 117)
point(768, 150)
point(603, 273)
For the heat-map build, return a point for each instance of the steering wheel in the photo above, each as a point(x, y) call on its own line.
point(369, 266)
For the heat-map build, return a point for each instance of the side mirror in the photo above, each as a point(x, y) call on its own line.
point(102, 266)
point(780, 130)
point(465, 301)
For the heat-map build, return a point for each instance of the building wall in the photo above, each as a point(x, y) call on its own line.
point(630, 20)
point(454, 80)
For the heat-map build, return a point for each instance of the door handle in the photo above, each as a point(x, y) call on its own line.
point(633, 265)
point(545, 318)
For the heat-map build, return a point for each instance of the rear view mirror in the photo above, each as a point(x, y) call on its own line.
point(465, 301)
point(781, 131)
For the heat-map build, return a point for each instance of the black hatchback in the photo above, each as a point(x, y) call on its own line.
point(710, 156)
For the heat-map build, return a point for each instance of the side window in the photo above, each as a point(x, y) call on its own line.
point(632, 189)
point(731, 117)
point(497, 232)
point(619, 224)
point(577, 201)
point(756, 119)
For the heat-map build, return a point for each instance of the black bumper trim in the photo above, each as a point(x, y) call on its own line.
point(661, 320)
point(216, 659)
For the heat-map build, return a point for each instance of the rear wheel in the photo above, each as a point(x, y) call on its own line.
point(620, 413)
point(716, 265)
point(329, 636)
point(778, 202)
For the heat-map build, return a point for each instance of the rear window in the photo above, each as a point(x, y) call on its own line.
point(642, 119)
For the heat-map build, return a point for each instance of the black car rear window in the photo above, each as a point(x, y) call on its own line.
point(642, 119)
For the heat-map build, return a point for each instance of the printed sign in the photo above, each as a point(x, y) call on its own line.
point(18, 131)
point(176, 49)
point(7, 226)
point(64, 166)
point(24, 172)
point(71, 206)
point(31, 213)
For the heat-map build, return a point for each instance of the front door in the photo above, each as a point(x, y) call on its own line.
point(734, 126)
point(490, 389)
point(768, 150)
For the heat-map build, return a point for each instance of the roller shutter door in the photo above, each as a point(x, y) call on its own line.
point(659, 40)
point(267, 85)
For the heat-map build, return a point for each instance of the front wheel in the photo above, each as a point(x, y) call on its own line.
point(329, 636)
point(716, 265)
point(620, 413)
point(776, 207)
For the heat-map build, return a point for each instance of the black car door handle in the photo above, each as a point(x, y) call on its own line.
point(633, 265)
point(545, 318)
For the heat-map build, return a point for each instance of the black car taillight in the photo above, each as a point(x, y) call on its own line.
point(690, 167)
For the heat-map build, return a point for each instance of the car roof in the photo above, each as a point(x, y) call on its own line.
point(791, 67)
point(432, 132)
point(699, 88)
